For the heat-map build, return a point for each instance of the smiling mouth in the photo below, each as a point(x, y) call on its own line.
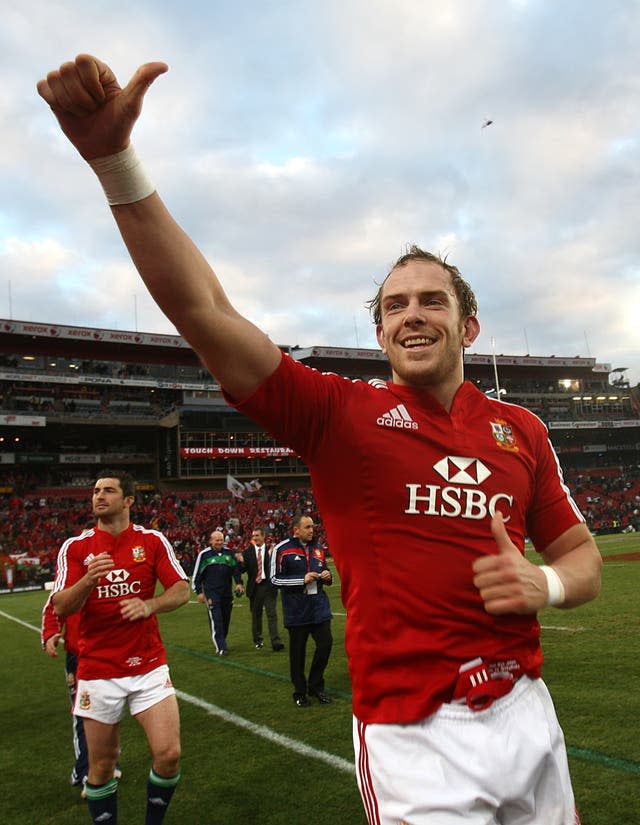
point(422, 341)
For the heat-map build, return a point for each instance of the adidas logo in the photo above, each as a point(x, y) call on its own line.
point(397, 418)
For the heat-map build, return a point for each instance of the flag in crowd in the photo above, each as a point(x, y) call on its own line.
point(238, 489)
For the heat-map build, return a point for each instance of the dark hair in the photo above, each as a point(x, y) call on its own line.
point(298, 518)
point(466, 299)
point(127, 483)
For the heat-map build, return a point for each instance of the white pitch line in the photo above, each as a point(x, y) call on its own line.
point(272, 736)
point(561, 627)
point(19, 621)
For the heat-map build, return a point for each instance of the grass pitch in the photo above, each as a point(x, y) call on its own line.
point(249, 755)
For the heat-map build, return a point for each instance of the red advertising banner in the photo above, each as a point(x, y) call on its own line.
point(236, 452)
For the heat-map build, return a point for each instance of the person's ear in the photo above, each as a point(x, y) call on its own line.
point(470, 330)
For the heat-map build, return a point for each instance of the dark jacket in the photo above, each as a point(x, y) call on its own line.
point(290, 562)
point(250, 567)
point(214, 571)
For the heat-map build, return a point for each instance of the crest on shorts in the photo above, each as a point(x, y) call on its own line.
point(504, 436)
point(84, 700)
point(138, 553)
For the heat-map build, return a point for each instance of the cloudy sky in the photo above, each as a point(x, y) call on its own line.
point(304, 143)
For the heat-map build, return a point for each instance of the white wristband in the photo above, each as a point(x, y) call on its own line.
point(555, 587)
point(122, 177)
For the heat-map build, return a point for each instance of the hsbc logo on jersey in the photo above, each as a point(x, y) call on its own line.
point(460, 470)
point(462, 498)
point(117, 575)
point(119, 585)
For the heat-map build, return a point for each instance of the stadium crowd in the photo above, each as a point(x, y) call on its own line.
point(610, 501)
point(36, 524)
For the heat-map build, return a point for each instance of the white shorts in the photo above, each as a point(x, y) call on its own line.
point(505, 765)
point(105, 700)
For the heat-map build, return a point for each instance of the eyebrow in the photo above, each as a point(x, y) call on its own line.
point(427, 293)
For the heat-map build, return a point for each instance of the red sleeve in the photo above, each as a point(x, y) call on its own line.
point(552, 510)
point(295, 404)
point(168, 568)
point(69, 567)
point(50, 622)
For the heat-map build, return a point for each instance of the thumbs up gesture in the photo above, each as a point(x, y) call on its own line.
point(93, 111)
point(507, 582)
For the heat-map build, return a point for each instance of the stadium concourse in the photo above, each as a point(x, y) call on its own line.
point(74, 400)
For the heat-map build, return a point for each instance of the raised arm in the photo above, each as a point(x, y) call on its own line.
point(97, 116)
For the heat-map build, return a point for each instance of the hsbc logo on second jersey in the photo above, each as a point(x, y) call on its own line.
point(460, 470)
point(117, 576)
point(118, 585)
point(462, 496)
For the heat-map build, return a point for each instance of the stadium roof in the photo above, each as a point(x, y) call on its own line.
point(61, 340)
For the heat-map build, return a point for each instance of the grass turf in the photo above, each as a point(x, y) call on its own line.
point(243, 738)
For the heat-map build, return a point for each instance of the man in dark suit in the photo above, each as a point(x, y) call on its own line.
point(261, 593)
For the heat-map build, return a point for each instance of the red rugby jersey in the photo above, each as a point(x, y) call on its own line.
point(51, 625)
point(110, 647)
point(406, 492)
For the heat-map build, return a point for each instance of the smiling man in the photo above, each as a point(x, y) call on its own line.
point(108, 575)
point(426, 487)
point(425, 314)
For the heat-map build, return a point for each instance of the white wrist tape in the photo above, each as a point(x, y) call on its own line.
point(555, 587)
point(122, 177)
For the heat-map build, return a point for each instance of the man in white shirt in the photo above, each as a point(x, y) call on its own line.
point(261, 593)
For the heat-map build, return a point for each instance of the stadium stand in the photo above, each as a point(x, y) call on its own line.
point(74, 400)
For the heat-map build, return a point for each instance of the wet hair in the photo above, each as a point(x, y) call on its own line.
point(127, 483)
point(466, 299)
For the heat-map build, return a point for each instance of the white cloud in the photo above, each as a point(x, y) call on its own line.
point(303, 144)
